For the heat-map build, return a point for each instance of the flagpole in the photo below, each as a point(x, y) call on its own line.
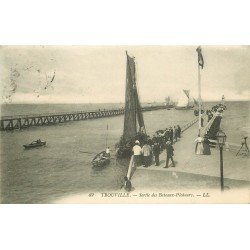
point(199, 94)
point(107, 136)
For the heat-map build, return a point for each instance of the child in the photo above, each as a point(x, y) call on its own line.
point(127, 184)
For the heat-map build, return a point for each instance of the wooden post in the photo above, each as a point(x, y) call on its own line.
point(11, 124)
point(2, 125)
point(221, 169)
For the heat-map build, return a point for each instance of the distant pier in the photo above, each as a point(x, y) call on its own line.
point(9, 123)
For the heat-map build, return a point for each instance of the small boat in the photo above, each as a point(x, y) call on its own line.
point(35, 144)
point(184, 104)
point(101, 159)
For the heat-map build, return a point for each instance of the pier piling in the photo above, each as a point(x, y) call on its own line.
point(10, 123)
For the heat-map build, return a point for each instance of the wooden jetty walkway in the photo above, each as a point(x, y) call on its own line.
point(9, 123)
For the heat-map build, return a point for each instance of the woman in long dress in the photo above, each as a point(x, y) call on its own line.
point(206, 147)
point(199, 145)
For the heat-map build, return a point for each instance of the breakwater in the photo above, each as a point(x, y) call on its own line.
point(10, 123)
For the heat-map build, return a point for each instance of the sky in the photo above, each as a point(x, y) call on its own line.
point(96, 74)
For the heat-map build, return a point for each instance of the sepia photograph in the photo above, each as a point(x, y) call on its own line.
point(124, 124)
point(124, 119)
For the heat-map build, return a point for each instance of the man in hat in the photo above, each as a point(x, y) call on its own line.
point(166, 135)
point(170, 153)
point(171, 135)
point(137, 153)
point(179, 131)
point(156, 152)
point(175, 133)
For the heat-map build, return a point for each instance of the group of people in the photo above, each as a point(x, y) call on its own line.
point(202, 143)
point(218, 108)
point(163, 139)
point(146, 148)
point(169, 134)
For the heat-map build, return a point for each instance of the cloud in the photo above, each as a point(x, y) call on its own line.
point(97, 74)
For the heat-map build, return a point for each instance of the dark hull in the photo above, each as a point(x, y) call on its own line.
point(101, 163)
point(96, 162)
point(123, 152)
point(169, 106)
point(30, 146)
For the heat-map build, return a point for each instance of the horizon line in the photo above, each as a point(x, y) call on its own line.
point(148, 102)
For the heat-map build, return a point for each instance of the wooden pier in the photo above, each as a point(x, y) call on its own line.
point(10, 123)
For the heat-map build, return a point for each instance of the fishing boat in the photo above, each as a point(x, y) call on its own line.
point(35, 144)
point(101, 159)
point(185, 104)
point(134, 127)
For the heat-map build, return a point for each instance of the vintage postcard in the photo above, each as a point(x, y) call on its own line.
point(124, 124)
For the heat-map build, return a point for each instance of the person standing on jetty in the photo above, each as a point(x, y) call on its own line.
point(175, 133)
point(137, 153)
point(171, 135)
point(170, 154)
point(146, 152)
point(156, 152)
point(206, 147)
point(199, 145)
point(202, 121)
point(179, 131)
point(107, 152)
point(166, 135)
point(209, 116)
point(127, 184)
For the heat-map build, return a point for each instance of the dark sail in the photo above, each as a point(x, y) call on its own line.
point(129, 129)
point(196, 102)
point(186, 91)
point(132, 104)
point(134, 127)
point(139, 113)
point(187, 94)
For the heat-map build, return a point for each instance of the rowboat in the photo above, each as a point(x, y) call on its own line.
point(101, 159)
point(35, 144)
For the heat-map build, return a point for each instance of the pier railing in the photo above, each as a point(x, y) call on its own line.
point(8, 123)
point(188, 125)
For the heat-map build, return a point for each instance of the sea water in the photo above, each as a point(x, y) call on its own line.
point(64, 168)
